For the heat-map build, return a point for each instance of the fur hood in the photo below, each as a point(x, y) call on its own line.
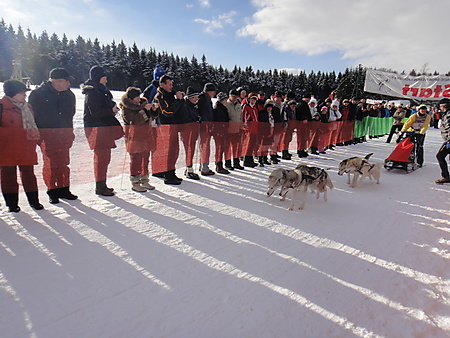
point(127, 103)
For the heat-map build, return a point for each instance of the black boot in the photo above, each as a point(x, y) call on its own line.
point(274, 159)
point(228, 165)
point(12, 201)
point(285, 155)
point(33, 200)
point(237, 164)
point(261, 161)
point(220, 169)
point(171, 178)
point(53, 195)
point(248, 162)
point(66, 194)
point(101, 189)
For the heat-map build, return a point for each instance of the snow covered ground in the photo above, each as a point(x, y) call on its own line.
point(217, 258)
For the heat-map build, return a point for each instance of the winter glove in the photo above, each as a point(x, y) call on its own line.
point(448, 145)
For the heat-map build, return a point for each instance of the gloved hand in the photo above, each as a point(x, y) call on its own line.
point(448, 145)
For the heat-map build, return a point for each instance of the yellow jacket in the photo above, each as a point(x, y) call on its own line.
point(421, 125)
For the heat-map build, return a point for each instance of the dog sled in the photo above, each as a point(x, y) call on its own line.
point(404, 154)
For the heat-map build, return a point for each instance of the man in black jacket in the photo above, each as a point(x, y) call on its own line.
point(54, 107)
point(170, 105)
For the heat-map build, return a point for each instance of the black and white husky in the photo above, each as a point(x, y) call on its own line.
point(303, 178)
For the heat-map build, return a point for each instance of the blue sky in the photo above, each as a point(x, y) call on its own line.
point(296, 35)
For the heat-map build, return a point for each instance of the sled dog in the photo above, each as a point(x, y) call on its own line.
point(276, 179)
point(302, 178)
point(352, 166)
point(371, 171)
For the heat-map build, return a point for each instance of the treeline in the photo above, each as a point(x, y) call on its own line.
point(128, 66)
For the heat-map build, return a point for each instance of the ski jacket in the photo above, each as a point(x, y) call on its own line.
point(15, 147)
point(417, 123)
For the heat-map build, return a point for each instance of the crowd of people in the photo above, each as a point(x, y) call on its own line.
point(236, 129)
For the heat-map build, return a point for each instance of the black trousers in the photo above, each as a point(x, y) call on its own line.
point(441, 155)
point(419, 140)
point(394, 128)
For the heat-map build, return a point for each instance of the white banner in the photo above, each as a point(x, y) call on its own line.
point(420, 88)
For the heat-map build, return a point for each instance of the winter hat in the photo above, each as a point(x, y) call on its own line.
point(324, 108)
point(158, 72)
point(191, 92)
point(292, 103)
point(13, 87)
point(313, 100)
point(133, 92)
point(209, 87)
point(96, 73)
point(60, 73)
point(423, 106)
point(269, 103)
point(252, 95)
point(222, 96)
point(233, 92)
point(335, 103)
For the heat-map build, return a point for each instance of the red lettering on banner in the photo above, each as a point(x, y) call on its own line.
point(426, 92)
point(406, 89)
point(414, 91)
point(446, 92)
point(437, 91)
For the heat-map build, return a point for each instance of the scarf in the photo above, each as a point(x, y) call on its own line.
point(28, 122)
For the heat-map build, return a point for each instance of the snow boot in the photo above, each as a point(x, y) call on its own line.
point(237, 164)
point(136, 183)
point(228, 165)
point(220, 169)
point(66, 194)
point(285, 155)
point(12, 201)
point(144, 181)
point(102, 189)
point(33, 200)
point(53, 195)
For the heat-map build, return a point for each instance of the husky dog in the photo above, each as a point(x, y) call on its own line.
point(302, 178)
point(353, 166)
point(371, 171)
point(276, 179)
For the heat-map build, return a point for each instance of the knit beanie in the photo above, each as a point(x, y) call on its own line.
point(96, 73)
point(13, 87)
point(209, 87)
point(191, 92)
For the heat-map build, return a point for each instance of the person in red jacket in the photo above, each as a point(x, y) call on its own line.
point(250, 121)
point(18, 140)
